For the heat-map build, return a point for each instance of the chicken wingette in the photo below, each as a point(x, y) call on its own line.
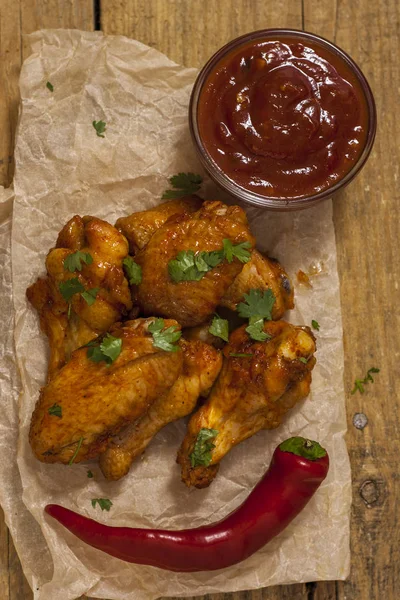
point(85, 290)
point(259, 382)
point(201, 365)
point(198, 247)
point(101, 390)
point(140, 226)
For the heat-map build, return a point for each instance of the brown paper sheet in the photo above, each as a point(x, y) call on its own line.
point(63, 168)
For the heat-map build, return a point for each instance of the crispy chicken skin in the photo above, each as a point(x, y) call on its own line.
point(201, 365)
point(261, 273)
point(140, 226)
point(97, 400)
point(190, 302)
point(107, 247)
point(251, 393)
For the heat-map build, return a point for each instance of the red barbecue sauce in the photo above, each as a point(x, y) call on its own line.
point(283, 119)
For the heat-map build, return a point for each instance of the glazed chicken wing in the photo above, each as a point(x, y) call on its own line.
point(69, 325)
point(95, 400)
point(261, 273)
point(140, 226)
point(201, 365)
point(191, 302)
point(254, 391)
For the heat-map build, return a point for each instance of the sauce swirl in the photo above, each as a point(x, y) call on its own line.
point(284, 119)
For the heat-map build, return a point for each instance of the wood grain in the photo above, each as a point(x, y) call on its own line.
point(367, 229)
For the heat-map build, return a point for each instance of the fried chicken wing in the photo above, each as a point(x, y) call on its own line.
point(201, 365)
point(254, 391)
point(261, 273)
point(140, 226)
point(190, 302)
point(69, 326)
point(96, 400)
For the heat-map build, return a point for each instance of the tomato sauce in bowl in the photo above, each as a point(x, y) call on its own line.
point(282, 118)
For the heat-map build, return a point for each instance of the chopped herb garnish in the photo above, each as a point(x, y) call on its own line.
point(184, 184)
point(201, 455)
point(240, 354)
point(104, 503)
point(100, 127)
point(132, 270)
point(90, 474)
point(256, 331)
point(165, 339)
point(90, 295)
point(220, 328)
point(190, 266)
point(303, 360)
point(55, 411)
point(108, 350)
point(257, 304)
point(50, 86)
point(74, 261)
point(359, 383)
point(76, 451)
point(315, 325)
point(70, 287)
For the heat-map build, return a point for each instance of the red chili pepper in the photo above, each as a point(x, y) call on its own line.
point(297, 469)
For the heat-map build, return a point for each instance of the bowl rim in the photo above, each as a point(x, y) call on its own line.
point(228, 184)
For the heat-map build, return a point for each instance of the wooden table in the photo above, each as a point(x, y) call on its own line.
point(367, 228)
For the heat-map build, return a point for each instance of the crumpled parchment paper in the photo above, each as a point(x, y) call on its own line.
point(63, 168)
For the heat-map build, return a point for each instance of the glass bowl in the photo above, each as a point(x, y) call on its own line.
point(228, 183)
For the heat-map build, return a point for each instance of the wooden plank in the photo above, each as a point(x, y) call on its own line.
point(367, 230)
point(19, 17)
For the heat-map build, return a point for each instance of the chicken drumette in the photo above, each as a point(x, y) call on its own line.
point(201, 365)
point(87, 402)
point(259, 382)
point(102, 292)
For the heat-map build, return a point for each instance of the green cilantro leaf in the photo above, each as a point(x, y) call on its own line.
point(256, 331)
point(90, 474)
point(303, 360)
point(108, 350)
point(132, 270)
point(76, 451)
point(90, 295)
point(315, 325)
point(201, 455)
point(100, 127)
point(165, 339)
point(359, 383)
point(240, 354)
point(220, 328)
point(55, 411)
point(70, 287)
point(240, 251)
point(257, 304)
point(104, 503)
point(184, 184)
point(50, 86)
point(74, 261)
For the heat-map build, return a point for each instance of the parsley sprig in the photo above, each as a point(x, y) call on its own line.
point(73, 262)
point(191, 266)
point(183, 184)
point(257, 307)
point(104, 503)
point(73, 286)
point(50, 86)
point(164, 338)
point(133, 271)
point(359, 383)
point(75, 454)
point(203, 447)
point(107, 350)
point(220, 328)
point(100, 128)
point(315, 325)
point(55, 411)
